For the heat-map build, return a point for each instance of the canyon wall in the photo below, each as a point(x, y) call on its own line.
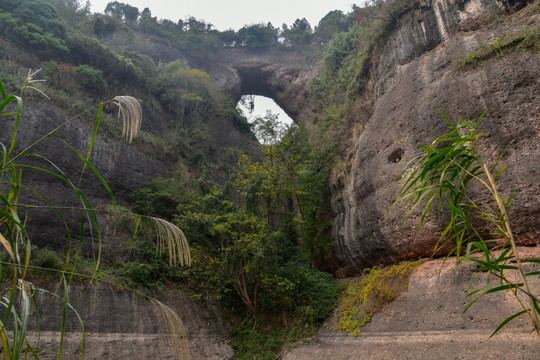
point(413, 75)
point(120, 324)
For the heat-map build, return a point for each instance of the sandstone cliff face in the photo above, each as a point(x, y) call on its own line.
point(123, 166)
point(121, 325)
point(411, 76)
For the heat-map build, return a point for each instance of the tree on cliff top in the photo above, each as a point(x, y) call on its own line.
point(125, 12)
point(257, 36)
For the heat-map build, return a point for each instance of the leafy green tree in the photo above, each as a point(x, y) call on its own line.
point(343, 46)
point(162, 197)
point(299, 34)
point(331, 24)
point(7, 23)
point(125, 12)
point(104, 26)
point(131, 14)
point(195, 26)
point(243, 241)
point(228, 37)
point(115, 8)
point(146, 14)
point(186, 93)
point(72, 11)
point(257, 36)
point(246, 245)
point(264, 181)
point(288, 186)
point(269, 130)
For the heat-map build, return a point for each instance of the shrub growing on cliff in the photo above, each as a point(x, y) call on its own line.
point(527, 39)
point(35, 25)
point(92, 78)
point(438, 180)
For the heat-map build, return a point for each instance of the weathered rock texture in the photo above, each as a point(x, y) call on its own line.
point(124, 167)
point(412, 75)
point(427, 322)
point(121, 325)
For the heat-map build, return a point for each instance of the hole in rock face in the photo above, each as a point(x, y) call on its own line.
point(396, 155)
point(253, 106)
point(260, 108)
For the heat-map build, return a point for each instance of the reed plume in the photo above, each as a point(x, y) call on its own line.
point(173, 326)
point(129, 109)
point(170, 236)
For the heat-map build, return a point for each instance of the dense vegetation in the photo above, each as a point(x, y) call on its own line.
point(257, 255)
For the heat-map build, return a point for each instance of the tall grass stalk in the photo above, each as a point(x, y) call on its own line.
point(438, 180)
point(15, 241)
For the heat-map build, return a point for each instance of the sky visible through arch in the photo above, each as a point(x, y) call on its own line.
point(262, 104)
point(234, 14)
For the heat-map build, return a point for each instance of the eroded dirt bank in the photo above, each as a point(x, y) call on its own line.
point(427, 322)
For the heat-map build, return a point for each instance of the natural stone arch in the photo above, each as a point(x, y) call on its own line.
point(280, 74)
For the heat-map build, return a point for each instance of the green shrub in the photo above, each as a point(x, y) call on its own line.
point(321, 293)
point(160, 197)
point(35, 25)
point(303, 289)
point(258, 35)
point(93, 78)
point(239, 120)
point(527, 39)
point(47, 259)
point(148, 275)
point(267, 342)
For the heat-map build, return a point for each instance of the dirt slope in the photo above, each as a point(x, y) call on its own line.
point(426, 322)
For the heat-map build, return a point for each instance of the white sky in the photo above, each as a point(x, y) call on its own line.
point(227, 14)
point(261, 104)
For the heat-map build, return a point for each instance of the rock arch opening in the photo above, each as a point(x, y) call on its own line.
point(253, 106)
point(278, 74)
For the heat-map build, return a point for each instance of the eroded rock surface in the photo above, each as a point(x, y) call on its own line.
point(427, 322)
point(121, 325)
point(412, 76)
